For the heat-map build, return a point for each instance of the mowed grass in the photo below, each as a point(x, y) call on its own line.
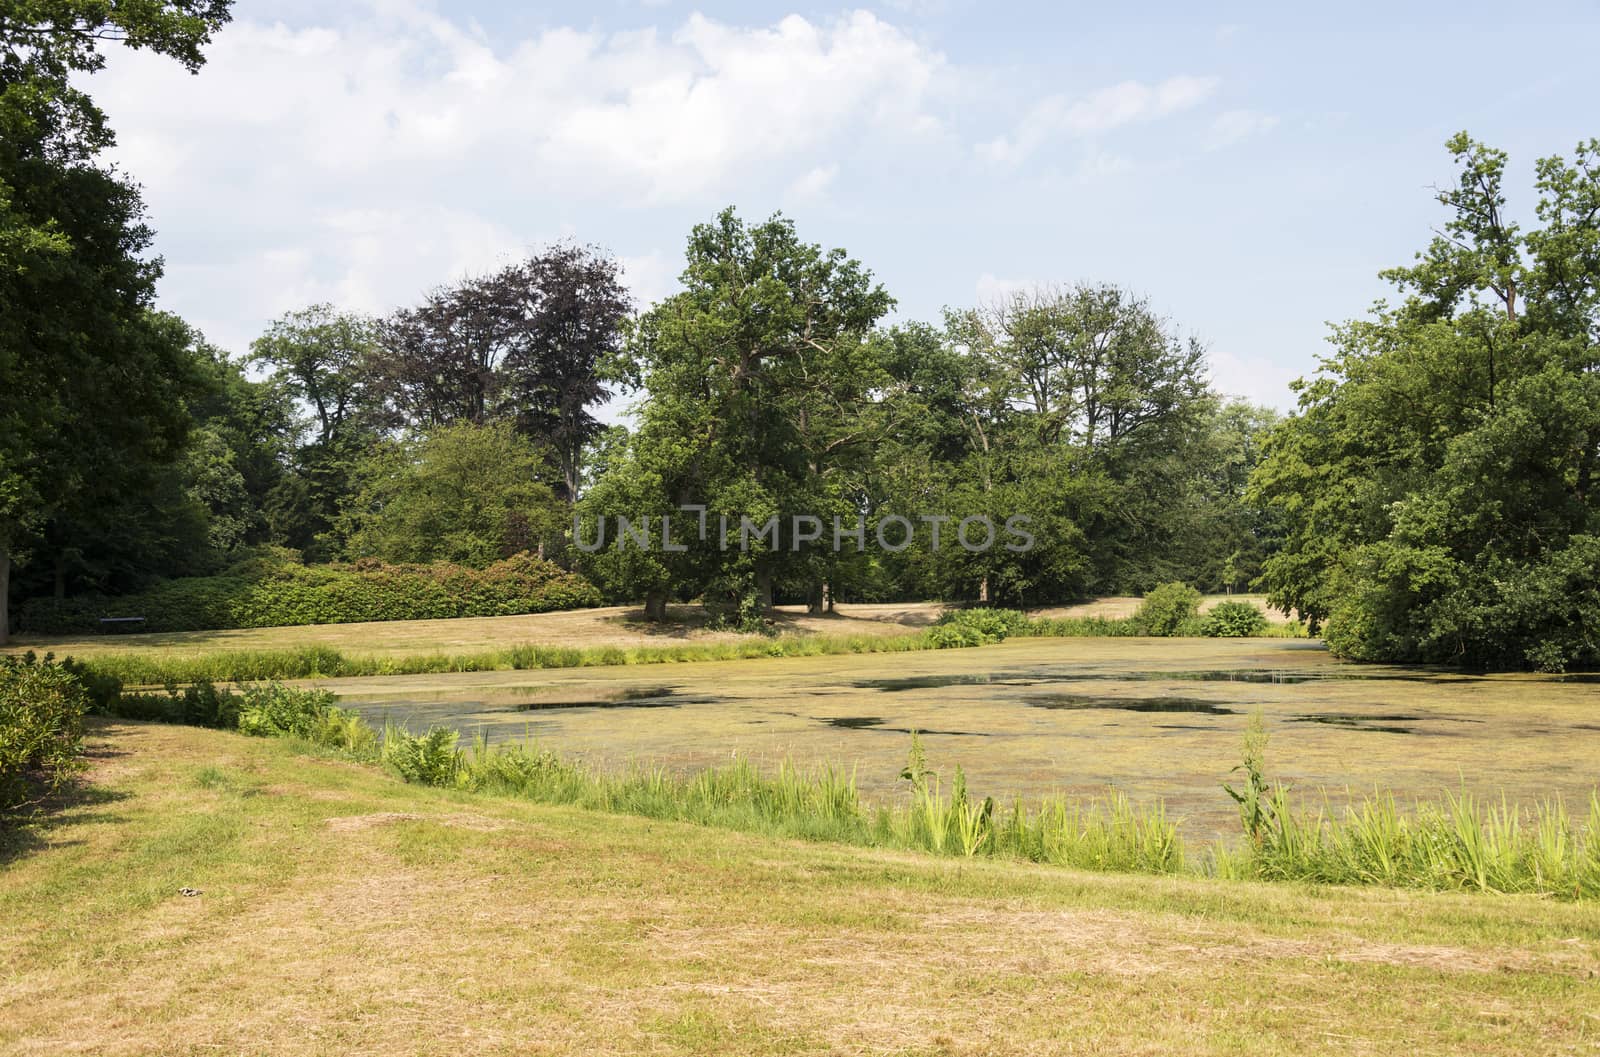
point(342, 911)
point(618, 627)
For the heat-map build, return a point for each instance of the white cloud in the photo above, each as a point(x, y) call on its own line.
point(1059, 116)
point(367, 160)
point(651, 277)
point(1253, 378)
point(813, 184)
point(1231, 126)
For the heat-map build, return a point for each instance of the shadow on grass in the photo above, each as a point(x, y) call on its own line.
point(80, 800)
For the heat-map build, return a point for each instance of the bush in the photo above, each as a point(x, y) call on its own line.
point(263, 593)
point(277, 711)
point(41, 729)
point(977, 627)
point(199, 705)
point(1233, 620)
point(1165, 610)
point(431, 759)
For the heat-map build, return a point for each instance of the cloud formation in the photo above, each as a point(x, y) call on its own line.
point(1063, 117)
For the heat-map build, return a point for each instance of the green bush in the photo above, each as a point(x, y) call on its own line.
point(977, 627)
point(277, 711)
point(199, 705)
point(280, 594)
point(41, 729)
point(428, 759)
point(1233, 620)
point(1166, 609)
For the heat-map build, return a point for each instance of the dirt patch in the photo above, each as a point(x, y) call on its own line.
point(355, 823)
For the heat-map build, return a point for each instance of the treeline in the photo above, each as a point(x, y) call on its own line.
point(463, 430)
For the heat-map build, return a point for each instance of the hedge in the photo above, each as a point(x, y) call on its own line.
point(260, 595)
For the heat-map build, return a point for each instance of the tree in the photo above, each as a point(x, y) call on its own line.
point(759, 375)
point(1086, 413)
point(72, 265)
point(1437, 482)
point(571, 329)
point(320, 358)
point(524, 344)
point(466, 494)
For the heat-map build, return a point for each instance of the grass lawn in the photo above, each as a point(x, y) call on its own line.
point(341, 911)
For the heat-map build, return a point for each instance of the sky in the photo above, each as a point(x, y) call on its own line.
point(1249, 168)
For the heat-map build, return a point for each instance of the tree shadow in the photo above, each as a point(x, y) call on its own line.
point(80, 800)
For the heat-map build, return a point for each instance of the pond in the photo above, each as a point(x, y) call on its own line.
point(1156, 718)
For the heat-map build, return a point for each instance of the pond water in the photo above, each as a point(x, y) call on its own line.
point(1156, 718)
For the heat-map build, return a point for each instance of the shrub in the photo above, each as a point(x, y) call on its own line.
point(1165, 609)
point(41, 729)
point(1233, 620)
point(274, 710)
point(428, 759)
point(199, 705)
point(263, 593)
point(977, 627)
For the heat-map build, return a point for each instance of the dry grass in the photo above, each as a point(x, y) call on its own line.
point(618, 626)
point(446, 924)
point(1119, 606)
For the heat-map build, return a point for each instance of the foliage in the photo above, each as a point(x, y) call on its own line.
point(427, 759)
point(1167, 609)
point(1233, 620)
point(200, 704)
point(95, 381)
point(281, 594)
point(1437, 485)
point(41, 729)
point(524, 345)
point(467, 494)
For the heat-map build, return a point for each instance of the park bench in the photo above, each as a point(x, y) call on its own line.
point(116, 623)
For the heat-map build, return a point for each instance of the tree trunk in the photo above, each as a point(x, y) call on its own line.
point(655, 606)
point(5, 595)
point(983, 588)
point(61, 577)
point(817, 598)
point(764, 589)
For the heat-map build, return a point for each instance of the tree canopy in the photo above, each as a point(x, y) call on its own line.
point(1437, 485)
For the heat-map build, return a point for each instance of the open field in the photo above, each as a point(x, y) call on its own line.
point(1160, 719)
point(341, 911)
point(618, 626)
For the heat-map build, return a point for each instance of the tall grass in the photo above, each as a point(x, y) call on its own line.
point(321, 662)
point(1460, 843)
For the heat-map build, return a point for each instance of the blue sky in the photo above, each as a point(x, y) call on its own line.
point(1249, 168)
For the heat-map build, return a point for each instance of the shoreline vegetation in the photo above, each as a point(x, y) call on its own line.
point(955, 630)
point(1456, 843)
